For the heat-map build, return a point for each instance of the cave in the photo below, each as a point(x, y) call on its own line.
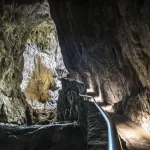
point(74, 75)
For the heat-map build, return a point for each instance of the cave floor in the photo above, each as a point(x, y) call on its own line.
point(136, 138)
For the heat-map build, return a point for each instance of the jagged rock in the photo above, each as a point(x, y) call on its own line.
point(43, 69)
point(54, 137)
point(71, 106)
point(91, 40)
point(109, 40)
point(16, 23)
point(136, 108)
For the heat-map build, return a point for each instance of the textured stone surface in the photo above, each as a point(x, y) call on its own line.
point(47, 137)
point(70, 106)
point(109, 39)
point(43, 69)
point(137, 109)
point(97, 136)
point(91, 40)
point(16, 23)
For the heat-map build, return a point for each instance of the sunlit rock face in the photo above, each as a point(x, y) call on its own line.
point(109, 40)
point(43, 68)
point(17, 21)
point(136, 108)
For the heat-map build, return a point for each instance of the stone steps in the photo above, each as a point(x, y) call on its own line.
point(97, 137)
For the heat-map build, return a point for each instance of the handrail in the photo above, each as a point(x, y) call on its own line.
point(113, 138)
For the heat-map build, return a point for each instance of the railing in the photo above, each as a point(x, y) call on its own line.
point(113, 138)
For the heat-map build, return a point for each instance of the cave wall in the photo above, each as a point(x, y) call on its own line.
point(31, 62)
point(110, 40)
point(16, 24)
point(136, 108)
point(43, 64)
point(89, 40)
point(71, 107)
point(42, 73)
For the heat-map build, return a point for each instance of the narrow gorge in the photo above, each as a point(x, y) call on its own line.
point(52, 52)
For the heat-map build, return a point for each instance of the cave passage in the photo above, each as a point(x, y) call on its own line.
point(51, 51)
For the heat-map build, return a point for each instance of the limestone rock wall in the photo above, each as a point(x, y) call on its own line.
point(43, 70)
point(16, 24)
point(136, 108)
point(43, 65)
point(91, 40)
point(110, 40)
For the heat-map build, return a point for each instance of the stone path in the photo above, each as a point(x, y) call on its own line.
point(97, 137)
point(136, 138)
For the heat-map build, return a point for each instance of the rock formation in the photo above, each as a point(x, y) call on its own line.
point(104, 44)
point(110, 40)
point(105, 48)
point(28, 30)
